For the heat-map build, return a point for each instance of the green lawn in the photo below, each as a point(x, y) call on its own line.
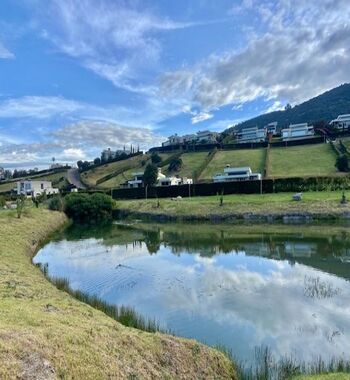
point(255, 158)
point(303, 161)
point(57, 179)
point(91, 176)
point(326, 204)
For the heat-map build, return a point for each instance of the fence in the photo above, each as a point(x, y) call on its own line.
point(239, 187)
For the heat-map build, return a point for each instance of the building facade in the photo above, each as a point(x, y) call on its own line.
point(342, 122)
point(206, 137)
point(297, 132)
point(236, 174)
point(108, 154)
point(251, 135)
point(35, 188)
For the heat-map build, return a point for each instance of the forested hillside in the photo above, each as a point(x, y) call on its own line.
point(326, 106)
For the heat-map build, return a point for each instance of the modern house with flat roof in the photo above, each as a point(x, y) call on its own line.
point(251, 135)
point(342, 122)
point(236, 174)
point(297, 132)
point(162, 180)
point(35, 188)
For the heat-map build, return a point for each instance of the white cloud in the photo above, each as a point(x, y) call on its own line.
point(202, 116)
point(107, 37)
point(5, 53)
point(40, 107)
point(80, 140)
point(304, 51)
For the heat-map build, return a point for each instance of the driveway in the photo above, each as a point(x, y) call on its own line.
point(73, 177)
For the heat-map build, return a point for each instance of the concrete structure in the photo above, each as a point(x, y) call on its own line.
point(297, 132)
point(251, 135)
point(271, 128)
point(342, 122)
point(35, 188)
point(199, 137)
point(236, 174)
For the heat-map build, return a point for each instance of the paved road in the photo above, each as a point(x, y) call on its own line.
point(73, 178)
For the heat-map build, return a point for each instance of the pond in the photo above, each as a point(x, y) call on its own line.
point(242, 287)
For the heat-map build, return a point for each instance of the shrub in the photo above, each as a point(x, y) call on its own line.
point(156, 159)
point(2, 201)
point(175, 164)
point(342, 163)
point(55, 203)
point(86, 208)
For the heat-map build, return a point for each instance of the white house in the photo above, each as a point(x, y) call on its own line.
point(342, 122)
point(35, 188)
point(253, 134)
point(297, 132)
point(162, 180)
point(200, 136)
point(236, 174)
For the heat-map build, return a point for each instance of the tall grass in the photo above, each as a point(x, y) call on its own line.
point(266, 367)
point(125, 315)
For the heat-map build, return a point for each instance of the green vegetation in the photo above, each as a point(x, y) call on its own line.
point(342, 163)
point(56, 203)
point(255, 158)
point(190, 163)
point(326, 106)
point(89, 208)
point(150, 175)
point(324, 204)
point(303, 161)
point(45, 333)
point(90, 177)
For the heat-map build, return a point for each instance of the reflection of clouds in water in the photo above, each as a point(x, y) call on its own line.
point(249, 300)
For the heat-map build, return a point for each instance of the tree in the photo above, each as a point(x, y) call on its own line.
point(342, 163)
point(97, 161)
point(155, 158)
point(287, 107)
point(150, 175)
point(80, 164)
point(175, 165)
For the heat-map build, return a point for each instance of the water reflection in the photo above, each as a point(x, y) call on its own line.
point(239, 286)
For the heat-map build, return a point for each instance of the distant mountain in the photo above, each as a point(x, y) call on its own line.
point(324, 107)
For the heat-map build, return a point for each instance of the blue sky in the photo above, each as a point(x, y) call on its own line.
point(77, 76)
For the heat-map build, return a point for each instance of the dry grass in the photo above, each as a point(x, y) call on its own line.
point(46, 334)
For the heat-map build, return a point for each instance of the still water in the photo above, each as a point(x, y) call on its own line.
point(284, 287)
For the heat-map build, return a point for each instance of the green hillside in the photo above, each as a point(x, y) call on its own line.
point(303, 161)
point(326, 106)
point(58, 180)
point(255, 158)
point(191, 162)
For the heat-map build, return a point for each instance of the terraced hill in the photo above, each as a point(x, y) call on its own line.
point(299, 161)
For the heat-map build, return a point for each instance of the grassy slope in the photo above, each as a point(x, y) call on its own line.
point(243, 157)
point(127, 174)
point(44, 333)
point(303, 161)
point(91, 176)
point(190, 163)
point(327, 203)
point(58, 180)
